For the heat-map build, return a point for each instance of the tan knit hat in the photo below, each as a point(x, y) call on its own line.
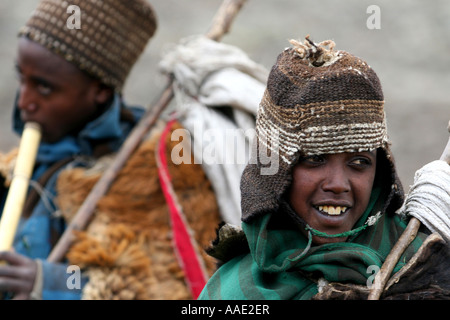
point(112, 36)
point(322, 101)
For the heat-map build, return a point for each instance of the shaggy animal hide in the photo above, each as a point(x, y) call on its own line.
point(425, 277)
point(127, 249)
point(7, 164)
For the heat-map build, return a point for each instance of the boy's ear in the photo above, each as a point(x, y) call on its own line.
point(103, 93)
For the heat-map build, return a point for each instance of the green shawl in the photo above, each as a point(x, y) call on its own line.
point(281, 265)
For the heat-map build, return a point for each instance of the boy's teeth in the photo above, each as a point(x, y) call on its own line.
point(333, 211)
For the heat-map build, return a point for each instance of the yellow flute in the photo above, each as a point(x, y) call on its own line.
point(18, 189)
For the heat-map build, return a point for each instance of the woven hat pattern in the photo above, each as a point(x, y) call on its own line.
point(112, 36)
point(333, 108)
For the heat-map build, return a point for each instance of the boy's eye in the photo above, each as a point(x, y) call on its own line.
point(44, 89)
point(314, 159)
point(361, 162)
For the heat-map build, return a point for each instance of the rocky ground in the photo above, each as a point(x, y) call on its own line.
point(409, 52)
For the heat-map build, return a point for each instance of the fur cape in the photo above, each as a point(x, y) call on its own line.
point(7, 164)
point(127, 249)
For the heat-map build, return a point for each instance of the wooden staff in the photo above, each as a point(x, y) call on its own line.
point(403, 242)
point(18, 189)
point(220, 26)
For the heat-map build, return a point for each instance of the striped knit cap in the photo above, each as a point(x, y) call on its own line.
point(112, 36)
point(317, 101)
point(322, 101)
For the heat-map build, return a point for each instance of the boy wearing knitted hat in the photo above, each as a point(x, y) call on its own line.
point(328, 215)
point(71, 81)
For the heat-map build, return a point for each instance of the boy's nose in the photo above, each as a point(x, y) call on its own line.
point(336, 181)
point(26, 100)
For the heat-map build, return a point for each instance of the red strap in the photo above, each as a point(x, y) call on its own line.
point(185, 249)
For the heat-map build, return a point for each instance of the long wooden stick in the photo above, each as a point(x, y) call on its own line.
point(220, 26)
point(446, 154)
point(224, 18)
point(391, 260)
point(403, 242)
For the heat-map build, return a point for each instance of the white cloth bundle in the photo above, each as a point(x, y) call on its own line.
point(429, 198)
point(209, 76)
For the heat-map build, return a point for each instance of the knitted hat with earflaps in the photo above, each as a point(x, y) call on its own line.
point(317, 101)
point(111, 37)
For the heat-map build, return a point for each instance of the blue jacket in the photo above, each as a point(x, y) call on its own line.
point(35, 233)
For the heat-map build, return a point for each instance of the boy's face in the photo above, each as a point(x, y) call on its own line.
point(54, 93)
point(331, 192)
